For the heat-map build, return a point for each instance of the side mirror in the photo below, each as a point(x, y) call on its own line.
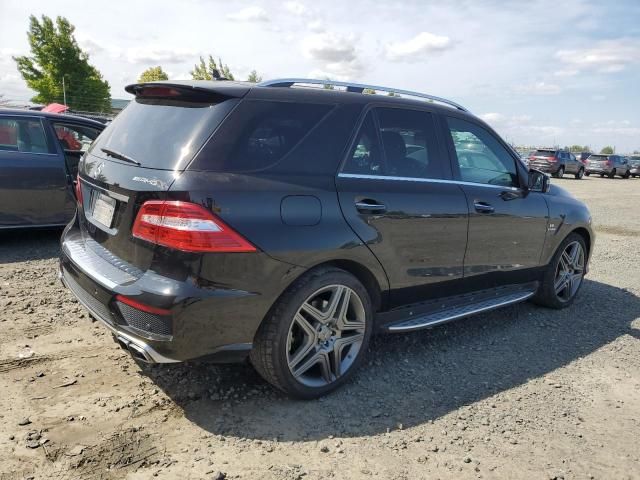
point(538, 181)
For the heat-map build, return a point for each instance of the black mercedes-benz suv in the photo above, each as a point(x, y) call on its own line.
point(287, 224)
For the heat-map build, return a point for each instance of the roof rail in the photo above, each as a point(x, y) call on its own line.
point(356, 88)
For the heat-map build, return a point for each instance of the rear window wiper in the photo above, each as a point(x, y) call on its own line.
point(119, 156)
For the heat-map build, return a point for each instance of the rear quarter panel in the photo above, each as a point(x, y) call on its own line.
point(253, 206)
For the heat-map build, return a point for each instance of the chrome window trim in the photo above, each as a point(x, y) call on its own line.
point(30, 153)
point(426, 180)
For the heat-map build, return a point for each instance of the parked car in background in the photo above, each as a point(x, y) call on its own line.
point(609, 165)
point(556, 162)
point(39, 155)
point(582, 157)
point(634, 165)
point(224, 220)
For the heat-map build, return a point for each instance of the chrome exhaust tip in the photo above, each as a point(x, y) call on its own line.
point(136, 351)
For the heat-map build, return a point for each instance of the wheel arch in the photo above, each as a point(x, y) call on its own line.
point(586, 236)
point(363, 274)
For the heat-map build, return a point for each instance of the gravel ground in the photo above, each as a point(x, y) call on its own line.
point(522, 392)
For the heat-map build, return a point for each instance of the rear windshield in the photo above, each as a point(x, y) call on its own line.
point(598, 157)
point(544, 153)
point(161, 133)
point(634, 160)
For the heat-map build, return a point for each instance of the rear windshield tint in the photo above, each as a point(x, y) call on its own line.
point(258, 134)
point(544, 153)
point(162, 133)
point(598, 157)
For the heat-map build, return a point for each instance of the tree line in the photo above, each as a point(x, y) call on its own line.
point(58, 70)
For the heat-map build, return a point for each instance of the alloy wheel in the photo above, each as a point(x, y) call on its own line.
point(569, 272)
point(325, 335)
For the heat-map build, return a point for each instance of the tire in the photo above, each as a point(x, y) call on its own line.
point(613, 173)
point(580, 174)
point(602, 175)
point(626, 175)
point(302, 334)
point(587, 174)
point(559, 173)
point(547, 294)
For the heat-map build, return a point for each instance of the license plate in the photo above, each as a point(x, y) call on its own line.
point(103, 209)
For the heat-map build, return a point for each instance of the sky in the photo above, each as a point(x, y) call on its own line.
point(541, 72)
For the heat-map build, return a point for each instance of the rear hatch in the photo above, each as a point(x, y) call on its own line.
point(138, 157)
point(542, 158)
point(598, 161)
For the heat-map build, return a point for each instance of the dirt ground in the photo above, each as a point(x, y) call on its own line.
point(522, 392)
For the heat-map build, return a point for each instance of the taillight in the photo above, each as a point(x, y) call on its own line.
point(609, 163)
point(142, 306)
point(552, 159)
point(188, 227)
point(78, 190)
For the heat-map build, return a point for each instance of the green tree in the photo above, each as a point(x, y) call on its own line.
point(55, 55)
point(153, 74)
point(608, 150)
point(328, 86)
point(205, 70)
point(254, 77)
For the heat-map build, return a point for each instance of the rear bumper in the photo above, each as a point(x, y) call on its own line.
point(545, 166)
point(214, 322)
point(594, 169)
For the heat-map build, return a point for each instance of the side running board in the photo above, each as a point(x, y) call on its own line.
point(435, 312)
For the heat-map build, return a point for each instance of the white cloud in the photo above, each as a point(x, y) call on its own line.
point(89, 45)
point(417, 47)
point(296, 8)
point(330, 47)
point(141, 55)
point(335, 53)
point(492, 117)
point(608, 56)
point(539, 88)
point(249, 14)
point(566, 72)
point(6, 54)
point(316, 26)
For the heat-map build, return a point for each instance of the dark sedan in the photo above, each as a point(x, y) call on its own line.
point(39, 155)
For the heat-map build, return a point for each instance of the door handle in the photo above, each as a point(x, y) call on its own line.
point(370, 206)
point(483, 207)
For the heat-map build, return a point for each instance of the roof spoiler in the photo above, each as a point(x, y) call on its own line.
point(200, 88)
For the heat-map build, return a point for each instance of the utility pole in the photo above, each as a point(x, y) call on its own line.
point(64, 92)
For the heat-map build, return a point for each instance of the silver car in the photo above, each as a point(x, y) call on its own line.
point(609, 165)
point(634, 165)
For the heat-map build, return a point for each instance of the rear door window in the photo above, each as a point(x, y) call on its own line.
point(76, 138)
point(408, 141)
point(365, 157)
point(23, 135)
point(397, 143)
point(480, 155)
